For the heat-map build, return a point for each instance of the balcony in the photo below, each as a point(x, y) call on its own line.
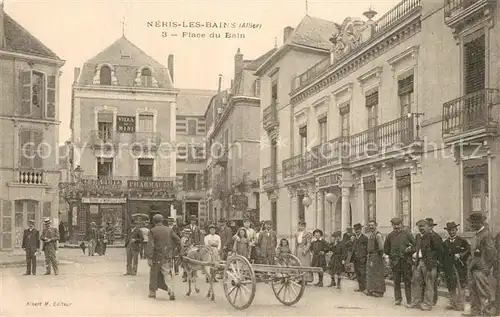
point(269, 177)
point(469, 117)
point(383, 138)
point(30, 177)
point(298, 165)
point(330, 153)
point(270, 118)
point(460, 12)
point(104, 139)
point(310, 74)
point(150, 140)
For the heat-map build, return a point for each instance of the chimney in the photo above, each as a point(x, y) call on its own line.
point(220, 84)
point(170, 66)
point(238, 64)
point(286, 33)
point(2, 23)
point(76, 73)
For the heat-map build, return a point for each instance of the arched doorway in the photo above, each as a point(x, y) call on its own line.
point(337, 219)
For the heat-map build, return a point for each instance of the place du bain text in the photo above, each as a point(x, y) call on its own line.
point(226, 30)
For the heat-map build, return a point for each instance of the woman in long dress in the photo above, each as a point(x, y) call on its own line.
point(302, 241)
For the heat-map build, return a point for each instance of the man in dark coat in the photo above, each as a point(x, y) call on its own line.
point(133, 241)
point(359, 257)
point(173, 224)
point(196, 236)
point(226, 238)
point(428, 249)
point(431, 223)
point(482, 260)
point(50, 238)
point(457, 251)
point(160, 251)
point(398, 246)
point(31, 245)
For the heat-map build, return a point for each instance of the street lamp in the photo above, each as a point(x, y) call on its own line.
point(307, 201)
point(330, 197)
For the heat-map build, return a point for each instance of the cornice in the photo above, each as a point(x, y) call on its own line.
point(233, 102)
point(374, 72)
point(130, 90)
point(347, 88)
point(38, 59)
point(395, 60)
point(377, 47)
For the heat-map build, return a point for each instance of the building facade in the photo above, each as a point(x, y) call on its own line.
point(400, 120)
point(191, 132)
point(123, 136)
point(233, 144)
point(29, 123)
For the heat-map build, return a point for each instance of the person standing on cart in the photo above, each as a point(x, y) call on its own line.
point(267, 243)
point(226, 237)
point(162, 243)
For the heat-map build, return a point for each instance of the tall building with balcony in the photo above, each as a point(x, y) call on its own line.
point(123, 134)
point(233, 144)
point(398, 121)
point(191, 132)
point(29, 125)
point(303, 47)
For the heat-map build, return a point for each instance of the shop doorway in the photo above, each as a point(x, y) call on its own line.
point(191, 209)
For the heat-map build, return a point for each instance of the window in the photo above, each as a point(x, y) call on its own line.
point(323, 130)
point(146, 123)
point(303, 139)
point(406, 95)
point(196, 154)
point(274, 161)
point(38, 95)
point(104, 167)
point(30, 154)
point(476, 192)
point(146, 77)
point(302, 208)
point(475, 63)
point(274, 214)
point(180, 124)
point(191, 124)
point(105, 76)
point(201, 125)
point(274, 93)
point(344, 121)
point(191, 179)
point(369, 185)
point(181, 153)
point(105, 125)
point(257, 88)
point(371, 103)
point(145, 167)
point(403, 184)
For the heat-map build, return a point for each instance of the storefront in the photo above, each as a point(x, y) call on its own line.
point(101, 210)
point(149, 207)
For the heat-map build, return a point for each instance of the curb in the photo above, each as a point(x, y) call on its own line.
point(38, 263)
point(442, 292)
point(76, 246)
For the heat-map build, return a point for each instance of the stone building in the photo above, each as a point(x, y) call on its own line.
point(233, 144)
point(29, 125)
point(400, 119)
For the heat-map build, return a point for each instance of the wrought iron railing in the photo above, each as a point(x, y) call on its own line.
point(399, 132)
point(297, 165)
point(330, 152)
point(453, 6)
point(147, 138)
point(469, 112)
point(397, 13)
point(270, 116)
point(101, 137)
point(32, 177)
point(310, 74)
point(269, 176)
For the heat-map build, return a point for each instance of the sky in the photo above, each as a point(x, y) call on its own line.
point(77, 30)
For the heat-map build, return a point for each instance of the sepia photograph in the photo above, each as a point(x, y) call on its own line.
point(249, 158)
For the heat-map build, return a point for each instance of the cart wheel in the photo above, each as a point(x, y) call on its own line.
point(288, 288)
point(239, 282)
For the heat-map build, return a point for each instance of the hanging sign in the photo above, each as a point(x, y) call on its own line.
point(125, 124)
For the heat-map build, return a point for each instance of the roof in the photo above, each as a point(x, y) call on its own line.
point(253, 65)
point(19, 40)
point(194, 102)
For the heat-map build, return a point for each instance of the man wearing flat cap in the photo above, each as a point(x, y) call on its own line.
point(31, 245)
point(196, 236)
point(50, 237)
point(398, 246)
point(482, 260)
point(359, 257)
point(457, 251)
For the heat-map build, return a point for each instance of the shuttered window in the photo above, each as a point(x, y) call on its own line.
point(191, 126)
point(344, 119)
point(38, 95)
point(146, 77)
point(51, 97)
point(31, 152)
point(303, 139)
point(181, 153)
point(369, 185)
point(181, 124)
point(146, 123)
point(403, 184)
point(201, 126)
point(475, 64)
point(25, 81)
point(371, 103)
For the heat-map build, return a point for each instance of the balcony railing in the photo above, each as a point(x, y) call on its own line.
point(270, 117)
point(330, 152)
point(32, 177)
point(298, 165)
point(269, 176)
point(147, 138)
point(310, 74)
point(399, 132)
point(469, 112)
point(396, 14)
point(103, 137)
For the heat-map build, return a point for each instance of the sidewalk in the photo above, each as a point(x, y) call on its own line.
point(77, 246)
point(442, 291)
point(18, 258)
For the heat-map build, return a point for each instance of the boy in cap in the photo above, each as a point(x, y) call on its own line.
point(267, 243)
point(337, 261)
point(483, 259)
point(31, 245)
point(359, 257)
point(457, 251)
point(133, 241)
point(50, 236)
point(318, 247)
point(398, 247)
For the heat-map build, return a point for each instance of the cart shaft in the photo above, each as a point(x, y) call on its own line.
point(266, 268)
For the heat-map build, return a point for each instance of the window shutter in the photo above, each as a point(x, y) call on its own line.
point(37, 140)
point(369, 183)
point(105, 116)
point(405, 85)
point(371, 99)
point(403, 177)
point(180, 181)
point(475, 65)
point(25, 82)
point(51, 97)
point(46, 209)
point(199, 181)
point(303, 131)
point(25, 149)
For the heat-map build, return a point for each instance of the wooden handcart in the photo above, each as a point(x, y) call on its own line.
point(240, 278)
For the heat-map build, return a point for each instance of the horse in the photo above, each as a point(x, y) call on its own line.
point(202, 254)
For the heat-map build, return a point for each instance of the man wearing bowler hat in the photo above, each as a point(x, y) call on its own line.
point(196, 236)
point(457, 251)
point(50, 236)
point(31, 245)
point(359, 257)
point(482, 260)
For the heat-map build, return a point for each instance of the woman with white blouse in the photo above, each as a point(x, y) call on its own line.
point(213, 241)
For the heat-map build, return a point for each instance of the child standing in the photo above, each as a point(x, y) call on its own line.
point(242, 244)
point(318, 247)
point(283, 248)
point(267, 243)
point(337, 261)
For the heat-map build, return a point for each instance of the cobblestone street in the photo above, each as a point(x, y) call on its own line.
point(95, 286)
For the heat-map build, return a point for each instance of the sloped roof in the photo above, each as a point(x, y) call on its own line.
point(253, 65)
point(193, 102)
point(19, 40)
point(314, 32)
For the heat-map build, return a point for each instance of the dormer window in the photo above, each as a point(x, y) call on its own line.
point(105, 76)
point(146, 77)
